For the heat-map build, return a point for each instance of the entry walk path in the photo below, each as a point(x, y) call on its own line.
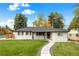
point(46, 49)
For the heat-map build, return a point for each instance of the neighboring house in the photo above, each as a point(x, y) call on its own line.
point(1, 33)
point(58, 35)
point(6, 33)
point(73, 35)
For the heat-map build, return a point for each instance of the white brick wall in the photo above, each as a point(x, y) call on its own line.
point(56, 38)
point(24, 36)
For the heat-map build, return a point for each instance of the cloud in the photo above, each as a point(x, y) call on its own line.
point(9, 23)
point(28, 11)
point(2, 23)
point(14, 7)
point(25, 5)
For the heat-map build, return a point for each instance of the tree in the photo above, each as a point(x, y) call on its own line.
point(75, 22)
point(47, 24)
point(40, 21)
point(7, 27)
point(76, 12)
point(56, 20)
point(36, 23)
point(20, 21)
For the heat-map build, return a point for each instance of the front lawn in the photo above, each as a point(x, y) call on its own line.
point(20, 47)
point(65, 49)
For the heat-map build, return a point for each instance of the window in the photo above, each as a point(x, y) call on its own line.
point(26, 33)
point(70, 34)
point(39, 33)
point(77, 34)
point(59, 34)
point(22, 33)
point(30, 33)
point(18, 33)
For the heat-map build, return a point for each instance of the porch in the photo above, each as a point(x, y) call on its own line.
point(41, 35)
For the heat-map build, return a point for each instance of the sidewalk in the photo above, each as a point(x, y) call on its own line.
point(46, 49)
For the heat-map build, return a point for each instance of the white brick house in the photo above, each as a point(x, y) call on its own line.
point(30, 33)
point(73, 35)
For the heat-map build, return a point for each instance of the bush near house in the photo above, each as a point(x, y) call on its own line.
point(20, 47)
point(65, 49)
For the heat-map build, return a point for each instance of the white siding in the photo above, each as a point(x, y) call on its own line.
point(56, 38)
point(24, 36)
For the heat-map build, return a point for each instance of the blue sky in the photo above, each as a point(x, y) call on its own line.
point(32, 10)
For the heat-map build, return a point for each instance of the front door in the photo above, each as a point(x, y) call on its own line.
point(48, 35)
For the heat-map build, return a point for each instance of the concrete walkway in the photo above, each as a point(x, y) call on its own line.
point(46, 49)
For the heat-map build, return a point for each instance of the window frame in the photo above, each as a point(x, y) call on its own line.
point(77, 35)
point(18, 33)
point(22, 33)
point(39, 33)
point(60, 34)
point(30, 33)
point(70, 34)
point(26, 33)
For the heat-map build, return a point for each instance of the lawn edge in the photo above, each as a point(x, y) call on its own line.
point(51, 52)
point(40, 48)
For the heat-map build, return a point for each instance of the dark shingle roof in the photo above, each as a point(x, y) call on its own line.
point(41, 29)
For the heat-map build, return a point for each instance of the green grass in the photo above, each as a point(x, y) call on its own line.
point(20, 47)
point(65, 49)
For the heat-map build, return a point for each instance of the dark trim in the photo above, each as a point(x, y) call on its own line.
point(22, 33)
point(33, 35)
point(44, 35)
point(18, 33)
point(30, 33)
